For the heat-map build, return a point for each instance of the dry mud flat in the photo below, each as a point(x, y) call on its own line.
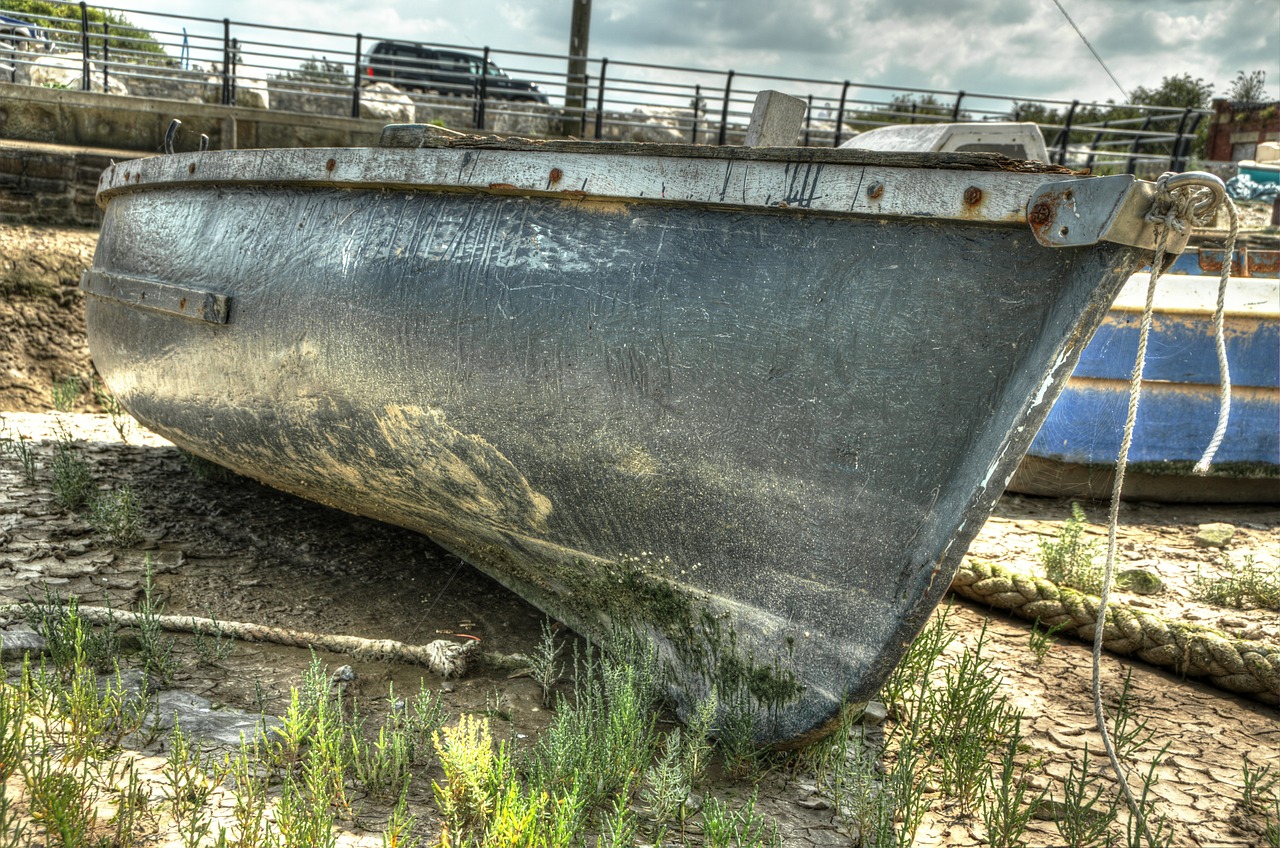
point(242, 552)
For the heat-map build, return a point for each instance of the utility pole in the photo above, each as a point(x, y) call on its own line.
point(575, 95)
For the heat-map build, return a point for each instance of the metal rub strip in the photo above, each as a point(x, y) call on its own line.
point(1060, 210)
point(161, 297)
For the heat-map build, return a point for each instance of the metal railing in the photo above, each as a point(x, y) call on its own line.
point(308, 70)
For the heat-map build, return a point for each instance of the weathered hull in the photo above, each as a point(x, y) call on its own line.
point(1075, 451)
point(733, 417)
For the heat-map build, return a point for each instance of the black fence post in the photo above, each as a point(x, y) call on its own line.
point(226, 61)
point(483, 87)
point(724, 111)
point(1131, 163)
point(840, 114)
point(1175, 154)
point(84, 46)
point(235, 69)
point(106, 54)
point(697, 110)
point(1093, 148)
point(1188, 139)
point(582, 118)
point(808, 119)
point(604, 67)
point(355, 77)
point(955, 110)
point(1064, 134)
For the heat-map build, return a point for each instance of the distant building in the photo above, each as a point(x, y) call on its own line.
point(1238, 128)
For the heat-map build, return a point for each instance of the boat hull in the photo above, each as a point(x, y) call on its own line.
point(1075, 451)
point(760, 437)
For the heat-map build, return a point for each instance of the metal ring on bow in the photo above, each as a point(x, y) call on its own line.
point(1199, 179)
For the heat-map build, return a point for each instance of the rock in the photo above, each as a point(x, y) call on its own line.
point(344, 674)
point(384, 102)
point(1139, 581)
point(814, 803)
point(874, 713)
point(1215, 535)
point(18, 641)
point(200, 719)
point(65, 70)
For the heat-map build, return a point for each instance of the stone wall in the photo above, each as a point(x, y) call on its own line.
point(92, 119)
point(50, 186)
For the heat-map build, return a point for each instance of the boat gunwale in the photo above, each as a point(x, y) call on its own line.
point(948, 187)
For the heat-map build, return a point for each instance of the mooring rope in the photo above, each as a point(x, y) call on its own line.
point(1246, 667)
point(1219, 332)
point(442, 656)
point(1177, 207)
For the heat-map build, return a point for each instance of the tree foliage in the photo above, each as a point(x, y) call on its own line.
point(1180, 92)
point(318, 72)
point(1249, 88)
point(907, 109)
point(125, 41)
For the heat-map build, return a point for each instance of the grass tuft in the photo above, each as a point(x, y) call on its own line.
point(1068, 559)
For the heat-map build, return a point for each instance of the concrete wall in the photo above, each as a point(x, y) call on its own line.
point(91, 119)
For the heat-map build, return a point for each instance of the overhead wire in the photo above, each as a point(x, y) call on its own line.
point(1124, 95)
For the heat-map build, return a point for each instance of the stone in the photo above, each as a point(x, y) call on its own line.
point(874, 713)
point(200, 719)
point(1215, 535)
point(384, 102)
point(1140, 581)
point(16, 642)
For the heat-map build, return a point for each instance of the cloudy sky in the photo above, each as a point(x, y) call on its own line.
point(1018, 48)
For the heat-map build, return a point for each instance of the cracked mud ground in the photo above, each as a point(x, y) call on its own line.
point(243, 552)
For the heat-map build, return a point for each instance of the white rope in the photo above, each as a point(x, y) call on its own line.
point(1171, 210)
point(1224, 397)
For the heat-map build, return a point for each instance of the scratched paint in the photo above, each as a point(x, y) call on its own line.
point(775, 431)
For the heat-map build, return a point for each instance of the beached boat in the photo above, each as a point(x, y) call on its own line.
point(750, 403)
point(1075, 451)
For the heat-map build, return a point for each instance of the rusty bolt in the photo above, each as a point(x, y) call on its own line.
point(875, 190)
point(556, 174)
point(1041, 215)
point(972, 196)
point(331, 164)
point(191, 169)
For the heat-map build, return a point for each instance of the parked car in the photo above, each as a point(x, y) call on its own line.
point(416, 67)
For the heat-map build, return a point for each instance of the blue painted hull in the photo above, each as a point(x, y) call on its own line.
point(1076, 447)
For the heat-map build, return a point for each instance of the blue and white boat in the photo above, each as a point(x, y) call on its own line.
point(1075, 451)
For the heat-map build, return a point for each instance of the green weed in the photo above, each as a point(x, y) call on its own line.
point(154, 648)
point(120, 418)
point(1068, 559)
point(188, 788)
point(1008, 804)
point(1243, 586)
point(212, 645)
point(72, 478)
point(66, 392)
point(17, 444)
point(741, 828)
point(1087, 811)
point(115, 514)
point(545, 665)
point(1041, 641)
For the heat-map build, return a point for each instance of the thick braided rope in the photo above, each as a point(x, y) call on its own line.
point(442, 656)
point(1243, 666)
